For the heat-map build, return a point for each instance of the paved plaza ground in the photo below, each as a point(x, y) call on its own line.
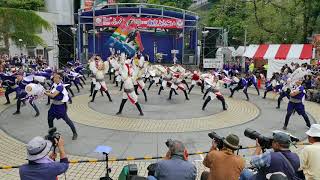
point(131, 135)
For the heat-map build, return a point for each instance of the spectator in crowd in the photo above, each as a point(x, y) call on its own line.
point(307, 82)
point(223, 163)
point(251, 66)
point(176, 165)
point(42, 165)
point(310, 155)
point(313, 94)
point(280, 160)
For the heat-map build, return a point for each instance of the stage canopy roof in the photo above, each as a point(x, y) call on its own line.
point(280, 51)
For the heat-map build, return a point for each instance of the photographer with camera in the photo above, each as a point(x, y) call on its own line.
point(223, 163)
point(41, 163)
point(281, 159)
point(175, 165)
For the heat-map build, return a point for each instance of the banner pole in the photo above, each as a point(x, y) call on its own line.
point(94, 26)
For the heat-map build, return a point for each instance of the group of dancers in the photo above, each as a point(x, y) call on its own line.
point(132, 74)
point(33, 83)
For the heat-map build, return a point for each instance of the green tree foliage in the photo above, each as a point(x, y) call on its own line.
point(183, 4)
point(267, 21)
point(17, 23)
point(23, 4)
point(127, 1)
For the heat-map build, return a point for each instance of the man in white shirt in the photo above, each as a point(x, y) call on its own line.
point(310, 155)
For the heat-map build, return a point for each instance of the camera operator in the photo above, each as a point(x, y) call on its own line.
point(310, 155)
point(41, 164)
point(223, 163)
point(175, 165)
point(280, 160)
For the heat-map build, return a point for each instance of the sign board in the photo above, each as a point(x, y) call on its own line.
point(212, 63)
point(174, 51)
point(164, 23)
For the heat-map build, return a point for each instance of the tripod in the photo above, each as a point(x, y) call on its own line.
point(108, 170)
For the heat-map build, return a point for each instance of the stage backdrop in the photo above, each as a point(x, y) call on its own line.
point(164, 43)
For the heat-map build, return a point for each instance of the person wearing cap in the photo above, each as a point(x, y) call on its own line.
point(281, 159)
point(223, 163)
point(176, 165)
point(41, 164)
point(310, 155)
point(58, 108)
point(295, 104)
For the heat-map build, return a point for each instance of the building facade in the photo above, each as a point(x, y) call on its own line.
point(57, 13)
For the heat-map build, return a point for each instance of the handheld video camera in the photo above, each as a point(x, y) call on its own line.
point(53, 135)
point(218, 139)
point(264, 141)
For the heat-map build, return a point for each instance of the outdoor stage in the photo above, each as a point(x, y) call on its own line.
point(162, 30)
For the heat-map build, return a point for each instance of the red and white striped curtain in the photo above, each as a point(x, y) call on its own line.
point(280, 51)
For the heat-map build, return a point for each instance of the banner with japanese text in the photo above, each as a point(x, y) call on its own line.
point(163, 23)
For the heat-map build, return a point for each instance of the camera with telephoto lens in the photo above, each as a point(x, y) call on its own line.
point(264, 141)
point(218, 139)
point(169, 143)
point(53, 135)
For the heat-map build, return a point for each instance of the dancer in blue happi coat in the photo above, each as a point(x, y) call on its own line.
point(296, 104)
point(284, 92)
point(9, 82)
point(273, 85)
point(252, 80)
point(241, 85)
point(22, 95)
point(58, 108)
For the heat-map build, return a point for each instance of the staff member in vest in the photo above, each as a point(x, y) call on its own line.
point(280, 160)
point(58, 109)
point(295, 104)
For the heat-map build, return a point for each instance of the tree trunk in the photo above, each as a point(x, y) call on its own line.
point(306, 18)
point(6, 43)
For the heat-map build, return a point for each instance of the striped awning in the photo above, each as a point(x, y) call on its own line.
point(279, 51)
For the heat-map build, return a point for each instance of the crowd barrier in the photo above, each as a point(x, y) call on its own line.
point(111, 159)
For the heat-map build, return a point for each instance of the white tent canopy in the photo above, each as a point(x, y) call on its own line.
point(280, 54)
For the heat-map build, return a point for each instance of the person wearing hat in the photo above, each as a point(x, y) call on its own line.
point(296, 104)
point(175, 165)
point(310, 155)
point(281, 159)
point(41, 164)
point(223, 163)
